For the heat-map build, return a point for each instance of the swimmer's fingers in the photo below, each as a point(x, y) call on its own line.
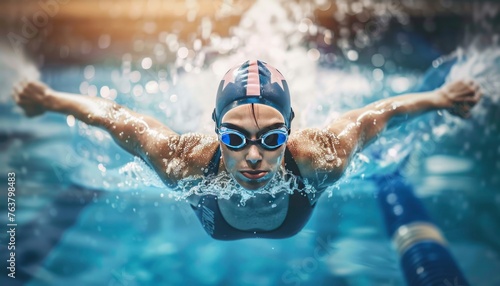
point(18, 87)
point(467, 85)
point(463, 95)
point(18, 90)
point(460, 90)
point(470, 82)
point(466, 91)
point(26, 91)
point(21, 94)
point(15, 93)
point(474, 97)
point(36, 86)
point(22, 85)
point(461, 110)
point(471, 91)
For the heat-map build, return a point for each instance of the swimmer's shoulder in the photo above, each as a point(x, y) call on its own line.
point(314, 150)
point(186, 156)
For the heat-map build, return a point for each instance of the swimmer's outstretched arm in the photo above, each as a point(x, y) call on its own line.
point(355, 129)
point(361, 125)
point(173, 156)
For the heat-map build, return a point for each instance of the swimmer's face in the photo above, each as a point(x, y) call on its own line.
point(253, 166)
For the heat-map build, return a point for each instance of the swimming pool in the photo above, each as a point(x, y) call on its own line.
point(90, 214)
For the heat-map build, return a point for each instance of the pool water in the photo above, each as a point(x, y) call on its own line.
point(88, 213)
point(73, 232)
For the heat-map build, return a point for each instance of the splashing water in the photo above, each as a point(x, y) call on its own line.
point(267, 31)
point(429, 134)
point(138, 176)
point(482, 65)
point(323, 93)
point(224, 186)
point(16, 67)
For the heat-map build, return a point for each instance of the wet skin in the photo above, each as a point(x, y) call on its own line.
point(253, 166)
point(322, 155)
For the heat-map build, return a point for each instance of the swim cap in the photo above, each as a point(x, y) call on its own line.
point(253, 82)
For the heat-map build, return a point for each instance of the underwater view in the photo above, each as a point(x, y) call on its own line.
point(77, 209)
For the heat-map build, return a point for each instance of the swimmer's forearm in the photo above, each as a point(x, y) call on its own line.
point(129, 129)
point(377, 115)
point(91, 110)
point(409, 104)
point(362, 125)
point(97, 112)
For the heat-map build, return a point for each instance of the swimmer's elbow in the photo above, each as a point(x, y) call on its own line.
point(107, 117)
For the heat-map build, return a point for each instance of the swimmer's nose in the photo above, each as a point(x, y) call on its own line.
point(253, 156)
point(253, 161)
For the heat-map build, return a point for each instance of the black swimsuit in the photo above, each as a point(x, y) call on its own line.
point(299, 210)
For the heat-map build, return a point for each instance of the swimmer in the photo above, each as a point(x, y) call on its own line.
point(253, 144)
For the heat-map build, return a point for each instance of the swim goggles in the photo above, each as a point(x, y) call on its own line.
point(236, 140)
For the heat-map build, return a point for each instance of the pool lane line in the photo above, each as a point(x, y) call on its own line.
point(424, 256)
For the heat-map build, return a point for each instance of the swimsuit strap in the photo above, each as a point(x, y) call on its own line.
point(213, 165)
point(291, 165)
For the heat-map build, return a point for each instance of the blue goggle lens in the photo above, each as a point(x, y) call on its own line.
point(232, 139)
point(274, 139)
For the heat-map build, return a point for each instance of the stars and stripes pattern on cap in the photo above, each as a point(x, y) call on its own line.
point(253, 81)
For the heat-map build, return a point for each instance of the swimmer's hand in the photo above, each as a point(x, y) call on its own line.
point(31, 96)
point(459, 97)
